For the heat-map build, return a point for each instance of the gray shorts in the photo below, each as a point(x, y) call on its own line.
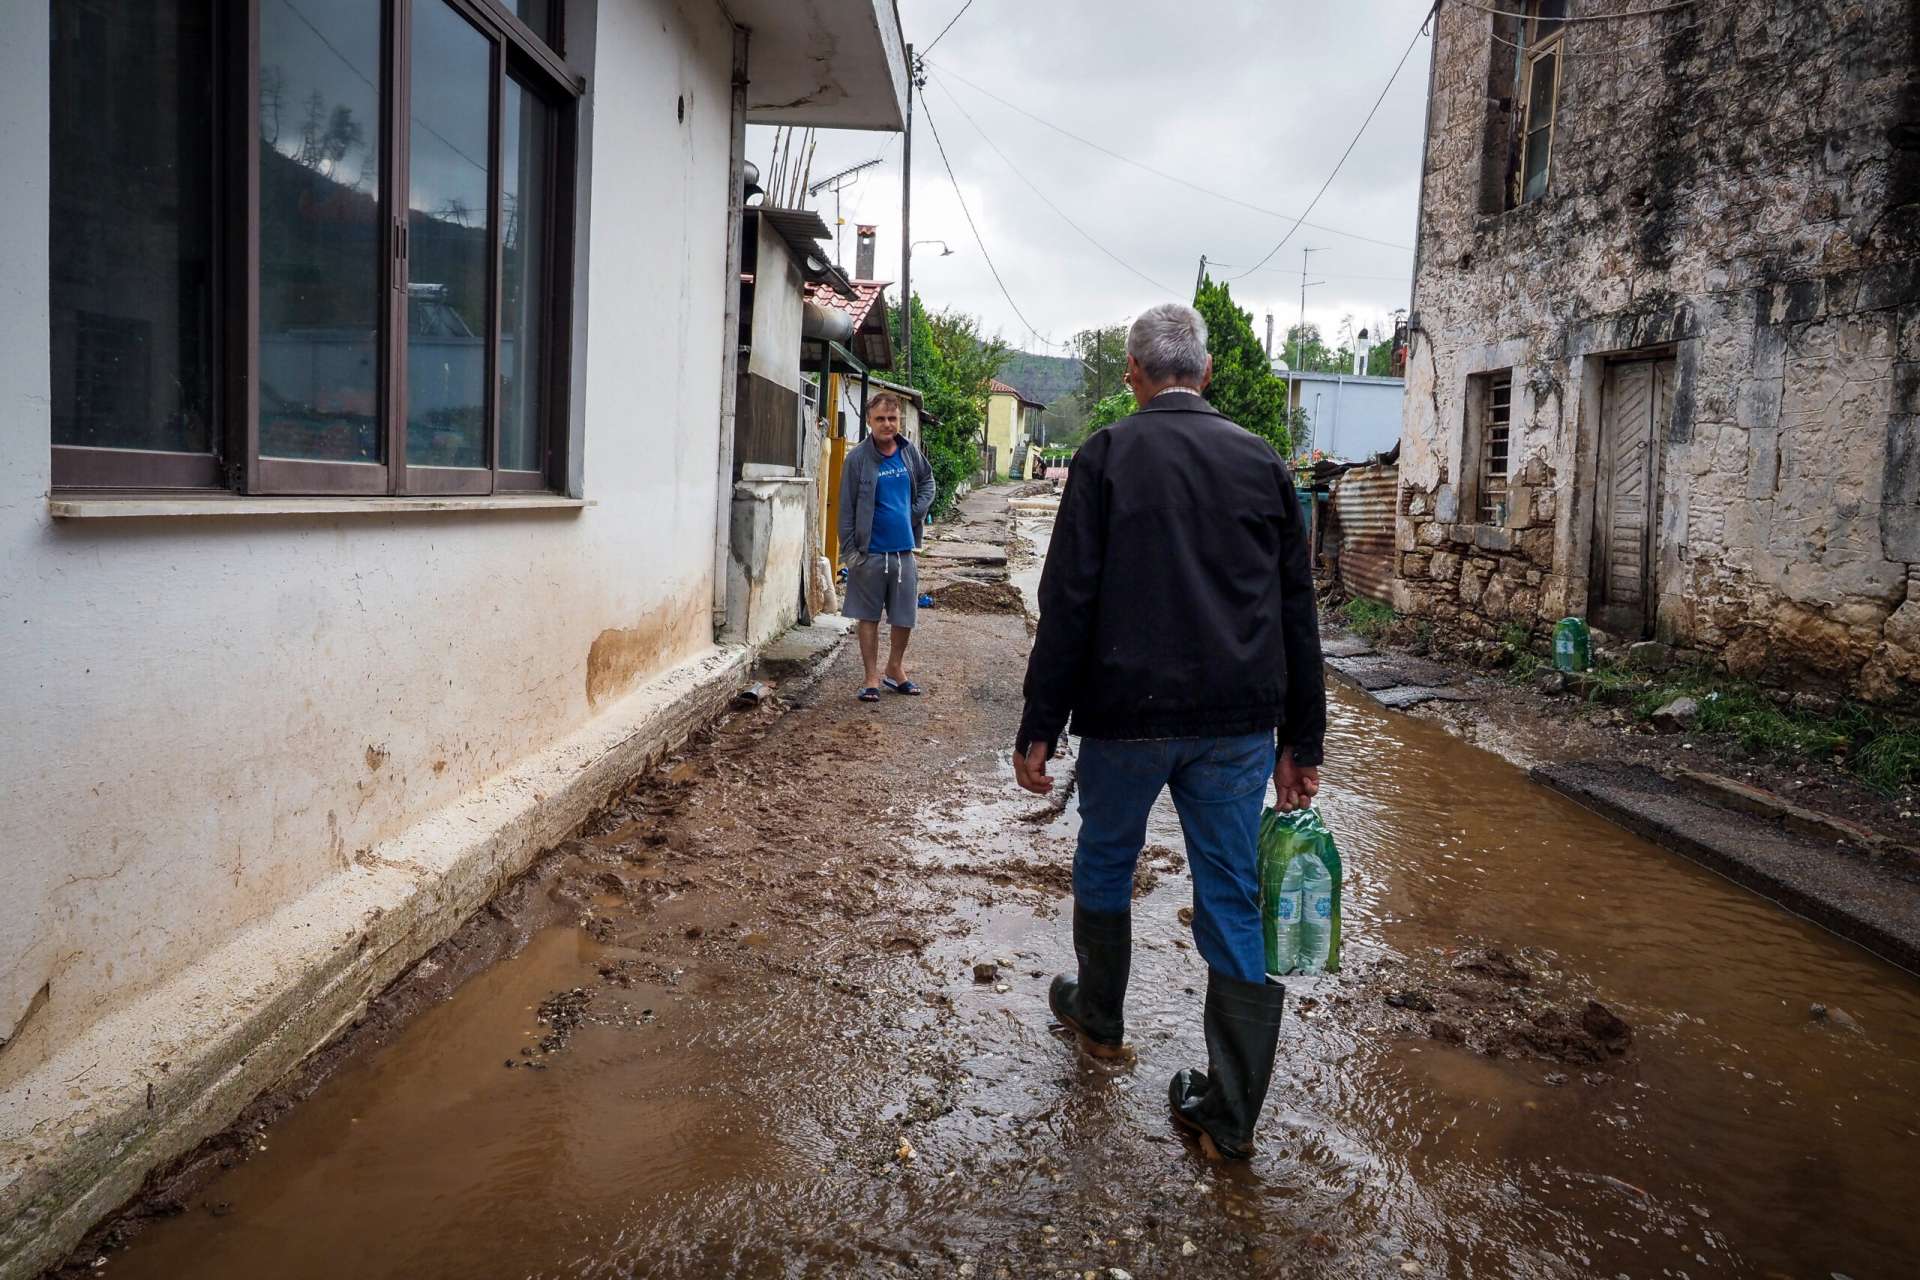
point(886, 581)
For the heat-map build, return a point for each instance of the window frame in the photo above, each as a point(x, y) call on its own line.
point(105, 467)
point(1538, 48)
point(1489, 488)
point(516, 53)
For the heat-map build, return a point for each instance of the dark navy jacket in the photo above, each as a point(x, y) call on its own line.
point(1177, 599)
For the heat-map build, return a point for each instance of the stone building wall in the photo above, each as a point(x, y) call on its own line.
point(1735, 188)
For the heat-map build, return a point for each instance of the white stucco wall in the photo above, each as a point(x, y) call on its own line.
point(778, 293)
point(203, 717)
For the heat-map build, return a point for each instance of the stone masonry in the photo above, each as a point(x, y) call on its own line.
point(1733, 193)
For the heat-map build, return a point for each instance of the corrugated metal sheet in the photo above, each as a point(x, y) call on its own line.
point(1365, 500)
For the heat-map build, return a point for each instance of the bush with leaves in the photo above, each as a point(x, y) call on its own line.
point(952, 364)
point(1110, 410)
point(1243, 386)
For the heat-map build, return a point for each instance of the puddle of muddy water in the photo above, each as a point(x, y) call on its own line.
point(811, 1110)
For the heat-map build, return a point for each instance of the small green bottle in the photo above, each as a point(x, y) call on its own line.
point(1572, 645)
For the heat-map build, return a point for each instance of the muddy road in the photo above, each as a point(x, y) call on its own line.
point(741, 1032)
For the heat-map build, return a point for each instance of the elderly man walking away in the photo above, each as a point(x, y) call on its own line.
point(1177, 630)
point(886, 490)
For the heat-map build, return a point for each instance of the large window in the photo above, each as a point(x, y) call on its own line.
point(310, 246)
point(1540, 92)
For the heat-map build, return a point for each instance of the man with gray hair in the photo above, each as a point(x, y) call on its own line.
point(1177, 633)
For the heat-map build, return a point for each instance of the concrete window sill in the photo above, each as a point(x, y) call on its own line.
point(149, 506)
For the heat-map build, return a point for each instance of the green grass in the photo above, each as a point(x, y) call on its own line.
point(1368, 618)
point(1881, 753)
point(1889, 761)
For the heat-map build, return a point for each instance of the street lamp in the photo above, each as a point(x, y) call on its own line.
point(945, 252)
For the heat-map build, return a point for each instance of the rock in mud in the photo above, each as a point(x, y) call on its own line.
point(1836, 1017)
point(1489, 962)
point(1677, 716)
point(986, 971)
point(1606, 1026)
point(1412, 1000)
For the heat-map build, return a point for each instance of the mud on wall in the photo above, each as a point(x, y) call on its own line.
point(207, 717)
point(1735, 189)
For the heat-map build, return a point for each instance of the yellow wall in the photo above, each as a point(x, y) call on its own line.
point(1003, 418)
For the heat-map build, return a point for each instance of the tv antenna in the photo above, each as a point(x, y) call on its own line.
point(833, 182)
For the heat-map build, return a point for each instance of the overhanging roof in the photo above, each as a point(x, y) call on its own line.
point(800, 228)
point(831, 64)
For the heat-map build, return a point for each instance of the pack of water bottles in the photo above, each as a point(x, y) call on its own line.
point(1299, 893)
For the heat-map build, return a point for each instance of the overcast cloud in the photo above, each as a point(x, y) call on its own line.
point(1256, 100)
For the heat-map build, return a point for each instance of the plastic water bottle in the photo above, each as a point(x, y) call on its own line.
point(1572, 645)
point(1316, 914)
point(1288, 908)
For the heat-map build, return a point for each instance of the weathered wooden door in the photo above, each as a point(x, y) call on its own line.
point(1636, 398)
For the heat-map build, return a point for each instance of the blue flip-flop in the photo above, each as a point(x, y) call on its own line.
point(907, 687)
point(869, 695)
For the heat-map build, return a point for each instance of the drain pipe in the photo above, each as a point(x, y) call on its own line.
point(730, 336)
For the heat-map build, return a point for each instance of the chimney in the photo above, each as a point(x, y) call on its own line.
point(863, 252)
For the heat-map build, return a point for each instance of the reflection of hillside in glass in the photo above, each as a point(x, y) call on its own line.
point(448, 171)
point(529, 125)
point(320, 230)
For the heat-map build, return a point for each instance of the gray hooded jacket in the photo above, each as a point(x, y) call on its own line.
point(859, 479)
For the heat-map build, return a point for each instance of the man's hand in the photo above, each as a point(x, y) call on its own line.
point(1295, 785)
point(1030, 769)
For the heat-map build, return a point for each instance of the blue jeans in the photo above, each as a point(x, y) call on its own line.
point(1218, 786)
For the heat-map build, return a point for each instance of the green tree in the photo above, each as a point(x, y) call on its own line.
point(952, 364)
point(1308, 352)
point(1380, 358)
point(1243, 386)
point(1109, 410)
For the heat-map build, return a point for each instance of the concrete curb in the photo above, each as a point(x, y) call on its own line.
point(80, 1132)
point(1844, 891)
point(797, 662)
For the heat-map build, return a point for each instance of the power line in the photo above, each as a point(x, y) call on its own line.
point(1350, 146)
point(1592, 17)
point(1084, 233)
point(1294, 271)
point(943, 31)
point(1162, 173)
point(948, 165)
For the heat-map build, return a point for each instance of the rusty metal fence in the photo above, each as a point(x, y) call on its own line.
point(1364, 503)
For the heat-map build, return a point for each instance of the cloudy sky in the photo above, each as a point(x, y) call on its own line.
point(1251, 100)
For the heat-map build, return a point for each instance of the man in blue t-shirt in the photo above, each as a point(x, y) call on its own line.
point(886, 490)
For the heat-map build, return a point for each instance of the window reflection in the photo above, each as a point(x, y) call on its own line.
point(525, 244)
point(131, 234)
point(448, 247)
point(538, 15)
point(320, 229)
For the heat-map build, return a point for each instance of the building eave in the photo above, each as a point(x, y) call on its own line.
point(825, 64)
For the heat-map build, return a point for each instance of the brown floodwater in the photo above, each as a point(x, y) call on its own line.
point(744, 1120)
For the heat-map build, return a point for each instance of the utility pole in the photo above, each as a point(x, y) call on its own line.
point(1199, 277)
point(1300, 334)
point(1269, 338)
point(906, 230)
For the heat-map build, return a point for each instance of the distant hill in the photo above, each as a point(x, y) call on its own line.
point(1048, 379)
